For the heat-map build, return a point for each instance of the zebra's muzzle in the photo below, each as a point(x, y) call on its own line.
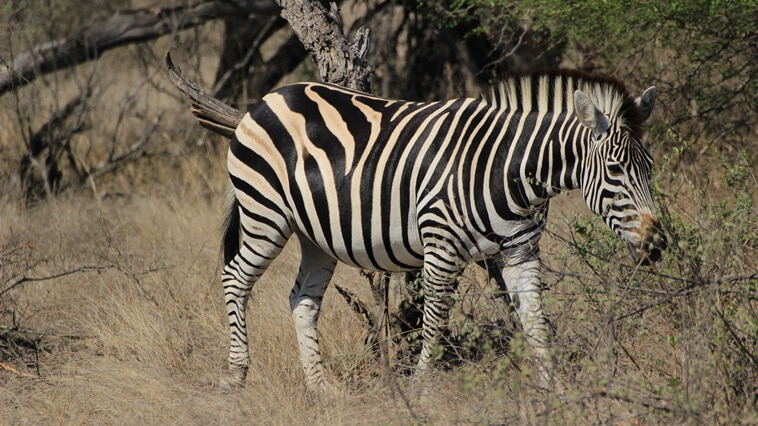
point(654, 242)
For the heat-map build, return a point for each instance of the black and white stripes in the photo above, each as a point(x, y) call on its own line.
point(392, 185)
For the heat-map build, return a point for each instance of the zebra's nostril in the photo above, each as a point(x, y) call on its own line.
point(655, 255)
point(630, 218)
point(663, 243)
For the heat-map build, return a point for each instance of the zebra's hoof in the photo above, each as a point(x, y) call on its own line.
point(235, 380)
point(229, 385)
point(325, 390)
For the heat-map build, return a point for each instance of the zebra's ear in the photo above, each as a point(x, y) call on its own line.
point(590, 115)
point(646, 102)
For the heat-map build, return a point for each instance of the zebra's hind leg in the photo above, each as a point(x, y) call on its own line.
point(316, 270)
point(439, 286)
point(238, 278)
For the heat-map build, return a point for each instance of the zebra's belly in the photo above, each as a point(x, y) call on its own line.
point(400, 248)
point(396, 251)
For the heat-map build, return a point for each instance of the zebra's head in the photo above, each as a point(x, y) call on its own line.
point(617, 173)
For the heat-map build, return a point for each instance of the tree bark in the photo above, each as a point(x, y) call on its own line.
point(122, 28)
point(339, 61)
point(324, 35)
point(209, 112)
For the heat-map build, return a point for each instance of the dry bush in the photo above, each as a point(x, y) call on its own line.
point(97, 125)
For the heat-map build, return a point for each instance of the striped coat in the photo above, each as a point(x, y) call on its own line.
point(392, 185)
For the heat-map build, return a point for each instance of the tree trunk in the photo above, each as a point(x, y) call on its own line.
point(339, 61)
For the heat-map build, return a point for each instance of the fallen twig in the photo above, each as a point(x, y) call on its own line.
point(7, 367)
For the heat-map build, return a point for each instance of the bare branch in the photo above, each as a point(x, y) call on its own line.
point(358, 306)
point(736, 337)
point(54, 136)
point(135, 151)
point(735, 278)
point(340, 62)
point(122, 28)
point(215, 115)
point(7, 367)
point(85, 268)
point(210, 113)
point(43, 138)
point(227, 72)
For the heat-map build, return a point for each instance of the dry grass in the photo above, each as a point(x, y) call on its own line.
point(150, 327)
point(144, 339)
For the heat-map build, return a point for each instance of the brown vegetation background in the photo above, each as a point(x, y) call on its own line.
point(111, 307)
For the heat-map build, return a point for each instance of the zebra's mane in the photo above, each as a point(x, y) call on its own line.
point(553, 91)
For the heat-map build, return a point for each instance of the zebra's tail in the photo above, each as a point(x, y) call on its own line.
point(231, 230)
point(209, 112)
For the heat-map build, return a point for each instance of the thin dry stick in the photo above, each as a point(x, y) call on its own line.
point(736, 337)
point(24, 279)
point(7, 367)
point(86, 268)
point(382, 291)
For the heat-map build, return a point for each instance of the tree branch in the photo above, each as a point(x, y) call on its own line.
point(122, 28)
point(358, 306)
point(84, 268)
point(266, 75)
point(210, 113)
point(338, 60)
point(54, 136)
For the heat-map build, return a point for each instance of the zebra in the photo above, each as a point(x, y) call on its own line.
point(393, 185)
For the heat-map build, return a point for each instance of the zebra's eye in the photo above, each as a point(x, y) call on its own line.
point(615, 170)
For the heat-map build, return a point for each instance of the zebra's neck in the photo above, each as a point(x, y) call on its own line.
point(543, 156)
point(551, 147)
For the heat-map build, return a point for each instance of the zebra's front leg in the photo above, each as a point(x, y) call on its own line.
point(316, 270)
point(523, 282)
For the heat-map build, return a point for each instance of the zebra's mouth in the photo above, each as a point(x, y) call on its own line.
point(652, 246)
